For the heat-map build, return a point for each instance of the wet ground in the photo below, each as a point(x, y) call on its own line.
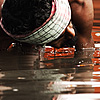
point(52, 74)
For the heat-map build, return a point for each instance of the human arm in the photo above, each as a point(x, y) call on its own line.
point(82, 19)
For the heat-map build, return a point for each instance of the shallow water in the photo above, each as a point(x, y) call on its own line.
point(53, 74)
point(50, 74)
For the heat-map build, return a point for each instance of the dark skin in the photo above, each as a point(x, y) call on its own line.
point(83, 22)
point(82, 19)
point(67, 35)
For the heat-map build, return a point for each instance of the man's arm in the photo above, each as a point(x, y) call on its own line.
point(82, 18)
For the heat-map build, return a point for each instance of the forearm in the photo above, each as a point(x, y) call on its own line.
point(82, 18)
point(76, 1)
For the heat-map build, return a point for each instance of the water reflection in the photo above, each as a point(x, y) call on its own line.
point(52, 74)
point(46, 75)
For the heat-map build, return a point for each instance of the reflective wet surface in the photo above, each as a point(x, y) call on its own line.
point(52, 74)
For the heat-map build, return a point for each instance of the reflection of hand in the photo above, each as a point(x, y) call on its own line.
point(84, 53)
point(84, 58)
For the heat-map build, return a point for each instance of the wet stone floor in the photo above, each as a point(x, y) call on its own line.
point(50, 74)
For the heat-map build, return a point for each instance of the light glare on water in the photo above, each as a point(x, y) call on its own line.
point(61, 75)
point(53, 74)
